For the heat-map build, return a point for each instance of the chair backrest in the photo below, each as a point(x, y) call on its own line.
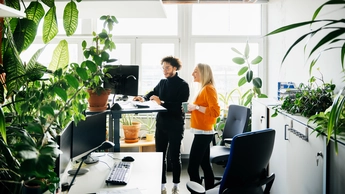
point(236, 122)
point(250, 153)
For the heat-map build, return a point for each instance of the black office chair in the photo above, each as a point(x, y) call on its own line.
point(246, 171)
point(236, 122)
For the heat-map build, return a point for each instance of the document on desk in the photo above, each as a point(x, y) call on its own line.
point(122, 191)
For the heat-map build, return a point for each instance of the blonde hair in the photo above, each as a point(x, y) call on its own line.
point(206, 75)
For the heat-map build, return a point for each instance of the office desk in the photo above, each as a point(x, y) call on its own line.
point(145, 175)
point(127, 109)
point(114, 120)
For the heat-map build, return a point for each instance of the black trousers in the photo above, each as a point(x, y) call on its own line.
point(170, 138)
point(200, 157)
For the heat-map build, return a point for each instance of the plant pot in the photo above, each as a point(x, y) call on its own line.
point(131, 132)
point(31, 189)
point(98, 103)
point(150, 136)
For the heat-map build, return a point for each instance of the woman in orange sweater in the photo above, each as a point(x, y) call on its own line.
point(204, 112)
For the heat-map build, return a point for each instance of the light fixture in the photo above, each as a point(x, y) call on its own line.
point(6, 11)
point(119, 8)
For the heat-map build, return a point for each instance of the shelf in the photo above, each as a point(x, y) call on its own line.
point(6, 11)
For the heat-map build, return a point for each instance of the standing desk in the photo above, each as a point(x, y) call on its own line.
point(145, 176)
point(127, 108)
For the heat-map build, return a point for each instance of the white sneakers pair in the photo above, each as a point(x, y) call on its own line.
point(173, 191)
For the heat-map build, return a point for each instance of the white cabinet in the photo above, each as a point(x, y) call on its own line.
point(298, 159)
point(305, 160)
point(260, 115)
point(278, 162)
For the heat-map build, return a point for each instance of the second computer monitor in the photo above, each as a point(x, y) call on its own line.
point(125, 79)
point(88, 135)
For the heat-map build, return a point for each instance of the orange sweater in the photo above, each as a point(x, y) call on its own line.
point(207, 98)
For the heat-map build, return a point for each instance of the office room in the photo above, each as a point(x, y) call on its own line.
point(203, 31)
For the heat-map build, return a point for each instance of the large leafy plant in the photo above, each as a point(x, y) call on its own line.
point(330, 31)
point(34, 108)
point(326, 36)
point(97, 56)
point(247, 76)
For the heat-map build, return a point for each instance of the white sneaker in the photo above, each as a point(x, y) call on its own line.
point(164, 191)
point(175, 190)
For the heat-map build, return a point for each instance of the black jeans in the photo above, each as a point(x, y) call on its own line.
point(200, 156)
point(171, 137)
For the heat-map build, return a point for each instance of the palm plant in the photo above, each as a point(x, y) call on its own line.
point(333, 28)
point(331, 121)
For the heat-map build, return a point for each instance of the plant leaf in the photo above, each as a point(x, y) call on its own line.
point(60, 57)
point(70, 18)
point(242, 70)
point(50, 28)
point(257, 60)
point(257, 82)
point(61, 92)
point(238, 60)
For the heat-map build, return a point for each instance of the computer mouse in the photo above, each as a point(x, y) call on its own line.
point(128, 159)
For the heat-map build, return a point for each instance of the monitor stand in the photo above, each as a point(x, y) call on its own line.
point(91, 160)
point(122, 98)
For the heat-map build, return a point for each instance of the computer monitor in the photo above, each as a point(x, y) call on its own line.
point(88, 135)
point(64, 140)
point(125, 79)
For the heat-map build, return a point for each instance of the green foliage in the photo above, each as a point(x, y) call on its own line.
point(127, 119)
point(308, 99)
point(92, 70)
point(246, 76)
point(328, 31)
point(36, 102)
point(149, 123)
point(331, 121)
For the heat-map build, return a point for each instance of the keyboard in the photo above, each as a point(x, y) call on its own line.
point(119, 174)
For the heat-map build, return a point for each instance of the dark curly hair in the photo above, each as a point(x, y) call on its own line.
point(175, 62)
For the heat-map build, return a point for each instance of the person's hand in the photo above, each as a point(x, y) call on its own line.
point(191, 107)
point(138, 98)
point(156, 99)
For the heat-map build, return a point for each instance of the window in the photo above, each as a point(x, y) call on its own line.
point(147, 26)
point(196, 33)
point(226, 19)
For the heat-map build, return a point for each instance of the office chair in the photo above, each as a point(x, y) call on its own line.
point(236, 123)
point(246, 170)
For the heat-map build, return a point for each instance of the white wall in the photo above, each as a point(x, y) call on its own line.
point(284, 12)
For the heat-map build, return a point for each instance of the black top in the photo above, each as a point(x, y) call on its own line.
point(173, 91)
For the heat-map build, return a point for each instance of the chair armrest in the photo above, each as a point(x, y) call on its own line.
point(195, 187)
point(228, 140)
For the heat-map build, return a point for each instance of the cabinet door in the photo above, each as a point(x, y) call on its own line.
point(259, 115)
point(278, 161)
point(305, 160)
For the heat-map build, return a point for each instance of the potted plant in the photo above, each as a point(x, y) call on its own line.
point(130, 128)
point(246, 74)
point(92, 69)
point(149, 123)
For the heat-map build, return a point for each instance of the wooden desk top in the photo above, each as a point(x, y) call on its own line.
point(140, 143)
